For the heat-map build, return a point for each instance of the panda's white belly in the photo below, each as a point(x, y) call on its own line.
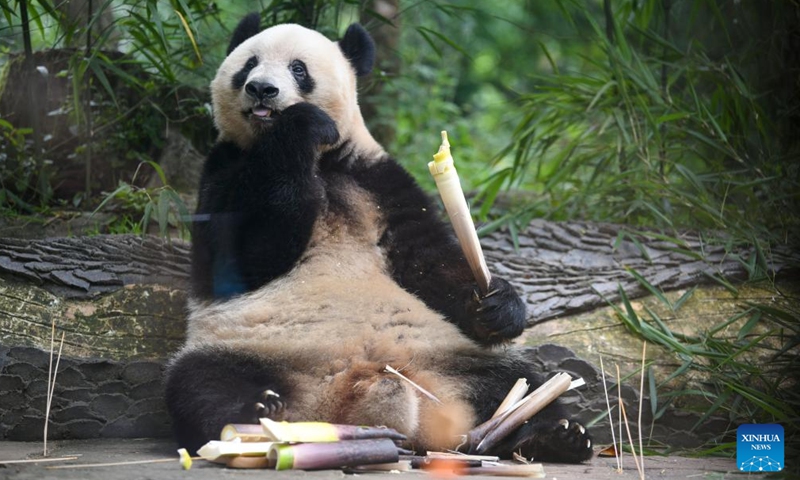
point(337, 303)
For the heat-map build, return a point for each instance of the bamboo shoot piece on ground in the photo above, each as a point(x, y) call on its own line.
point(487, 434)
point(249, 462)
point(514, 395)
point(310, 432)
point(320, 456)
point(219, 452)
point(444, 173)
point(244, 432)
point(533, 470)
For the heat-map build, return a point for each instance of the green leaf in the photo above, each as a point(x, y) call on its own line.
point(428, 31)
point(124, 188)
point(651, 383)
point(650, 288)
point(162, 214)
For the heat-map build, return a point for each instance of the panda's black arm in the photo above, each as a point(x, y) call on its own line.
point(426, 260)
point(257, 207)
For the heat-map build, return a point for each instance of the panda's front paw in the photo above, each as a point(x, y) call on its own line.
point(310, 124)
point(499, 315)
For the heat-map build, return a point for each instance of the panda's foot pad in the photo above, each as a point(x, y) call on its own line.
point(269, 404)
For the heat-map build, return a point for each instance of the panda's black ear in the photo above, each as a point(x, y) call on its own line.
point(359, 49)
point(248, 26)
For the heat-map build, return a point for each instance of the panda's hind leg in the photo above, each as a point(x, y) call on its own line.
point(549, 436)
point(210, 387)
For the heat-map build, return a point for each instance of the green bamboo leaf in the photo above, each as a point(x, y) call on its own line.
point(162, 214)
point(491, 190)
point(429, 41)
point(101, 77)
point(658, 321)
point(686, 365)
point(600, 93)
point(728, 286)
point(631, 316)
point(651, 383)
point(787, 319)
point(446, 40)
point(671, 117)
point(148, 212)
point(124, 188)
point(719, 327)
point(649, 287)
point(720, 400)
point(748, 327)
point(159, 171)
point(190, 35)
point(553, 64)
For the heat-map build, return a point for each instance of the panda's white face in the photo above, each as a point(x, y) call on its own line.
point(275, 69)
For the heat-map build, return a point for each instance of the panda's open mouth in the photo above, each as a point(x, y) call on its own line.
point(262, 114)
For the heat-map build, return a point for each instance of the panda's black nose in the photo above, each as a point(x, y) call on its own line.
point(261, 90)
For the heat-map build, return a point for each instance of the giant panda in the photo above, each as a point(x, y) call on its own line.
point(317, 261)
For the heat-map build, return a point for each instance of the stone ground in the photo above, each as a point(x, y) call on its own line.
point(128, 450)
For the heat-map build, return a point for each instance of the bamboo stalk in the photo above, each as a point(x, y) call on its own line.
point(320, 456)
point(502, 426)
point(420, 461)
point(444, 173)
point(310, 432)
point(249, 462)
point(533, 470)
point(462, 456)
point(219, 451)
point(514, 395)
point(399, 466)
point(245, 432)
point(413, 384)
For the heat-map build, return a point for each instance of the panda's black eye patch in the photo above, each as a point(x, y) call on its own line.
point(240, 77)
point(298, 69)
point(300, 73)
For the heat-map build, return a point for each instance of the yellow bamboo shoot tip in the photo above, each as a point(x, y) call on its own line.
point(443, 155)
point(185, 459)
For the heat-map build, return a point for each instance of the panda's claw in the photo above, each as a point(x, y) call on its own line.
point(269, 404)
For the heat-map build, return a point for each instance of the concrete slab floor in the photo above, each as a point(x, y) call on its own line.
point(130, 450)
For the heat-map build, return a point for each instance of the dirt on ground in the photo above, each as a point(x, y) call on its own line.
point(158, 460)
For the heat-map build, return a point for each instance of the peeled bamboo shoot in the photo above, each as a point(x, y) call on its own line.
point(444, 173)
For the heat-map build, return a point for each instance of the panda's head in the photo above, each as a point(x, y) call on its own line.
point(267, 71)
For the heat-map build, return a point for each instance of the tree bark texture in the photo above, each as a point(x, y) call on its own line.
point(120, 302)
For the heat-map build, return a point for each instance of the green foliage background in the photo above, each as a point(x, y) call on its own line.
point(662, 113)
